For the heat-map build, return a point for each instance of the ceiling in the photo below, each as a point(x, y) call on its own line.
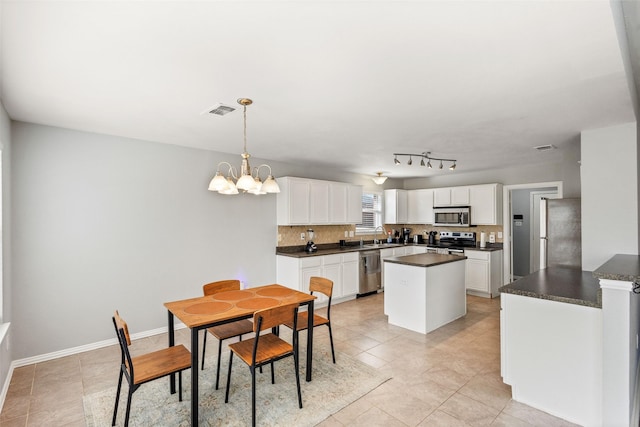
point(342, 84)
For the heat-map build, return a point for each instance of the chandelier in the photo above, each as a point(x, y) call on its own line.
point(423, 156)
point(248, 180)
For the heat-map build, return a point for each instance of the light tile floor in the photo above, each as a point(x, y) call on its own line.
point(449, 377)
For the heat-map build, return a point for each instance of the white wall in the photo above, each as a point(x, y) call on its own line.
point(559, 165)
point(609, 194)
point(7, 309)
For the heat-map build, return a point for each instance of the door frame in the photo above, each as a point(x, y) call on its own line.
point(507, 245)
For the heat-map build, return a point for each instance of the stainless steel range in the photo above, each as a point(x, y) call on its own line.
point(453, 243)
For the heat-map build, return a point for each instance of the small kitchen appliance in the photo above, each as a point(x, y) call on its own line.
point(311, 247)
point(406, 235)
point(432, 237)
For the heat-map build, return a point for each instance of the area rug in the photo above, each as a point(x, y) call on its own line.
point(334, 386)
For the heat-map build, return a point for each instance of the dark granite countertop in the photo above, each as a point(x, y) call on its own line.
point(425, 260)
point(561, 284)
point(334, 248)
point(620, 267)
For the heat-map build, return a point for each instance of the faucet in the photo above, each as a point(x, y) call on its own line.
point(376, 241)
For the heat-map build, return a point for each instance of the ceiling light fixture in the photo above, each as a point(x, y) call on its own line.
point(248, 181)
point(424, 155)
point(379, 179)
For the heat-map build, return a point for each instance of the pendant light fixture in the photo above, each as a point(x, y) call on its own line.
point(249, 180)
point(379, 179)
point(424, 155)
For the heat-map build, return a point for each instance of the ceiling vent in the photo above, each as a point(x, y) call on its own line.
point(220, 109)
point(545, 147)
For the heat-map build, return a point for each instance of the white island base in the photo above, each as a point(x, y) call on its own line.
point(424, 292)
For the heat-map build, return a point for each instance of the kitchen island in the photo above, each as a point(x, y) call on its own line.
point(425, 291)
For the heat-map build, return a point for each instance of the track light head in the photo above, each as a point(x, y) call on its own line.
point(396, 161)
point(453, 166)
point(410, 162)
point(440, 167)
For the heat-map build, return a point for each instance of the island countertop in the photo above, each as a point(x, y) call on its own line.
point(562, 284)
point(425, 260)
point(620, 267)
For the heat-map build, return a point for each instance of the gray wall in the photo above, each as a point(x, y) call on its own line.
point(103, 223)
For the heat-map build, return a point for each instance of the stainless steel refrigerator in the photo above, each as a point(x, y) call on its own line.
point(560, 233)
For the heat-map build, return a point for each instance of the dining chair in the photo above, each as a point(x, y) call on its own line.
point(147, 367)
point(266, 348)
point(228, 330)
point(324, 286)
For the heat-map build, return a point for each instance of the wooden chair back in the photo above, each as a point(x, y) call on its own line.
point(274, 316)
point(221, 286)
point(120, 324)
point(321, 284)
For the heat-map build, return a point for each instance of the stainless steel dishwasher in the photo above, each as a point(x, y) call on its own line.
point(370, 272)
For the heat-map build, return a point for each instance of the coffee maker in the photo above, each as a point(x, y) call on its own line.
point(406, 235)
point(432, 237)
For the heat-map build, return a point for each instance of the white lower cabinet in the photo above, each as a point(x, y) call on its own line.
point(483, 272)
point(342, 269)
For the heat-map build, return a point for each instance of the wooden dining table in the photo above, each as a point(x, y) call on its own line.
point(225, 307)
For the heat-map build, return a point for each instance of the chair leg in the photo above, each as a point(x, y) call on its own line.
point(129, 396)
point(115, 407)
point(295, 365)
point(273, 375)
point(204, 347)
point(333, 353)
point(253, 394)
point(226, 395)
point(218, 367)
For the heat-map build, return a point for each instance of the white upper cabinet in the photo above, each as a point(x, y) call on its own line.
point(338, 203)
point(318, 202)
point(395, 206)
point(451, 196)
point(420, 206)
point(486, 204)
point(303, 201)
point(293, 201)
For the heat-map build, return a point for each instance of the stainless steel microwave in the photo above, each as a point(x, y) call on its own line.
point(454, 216)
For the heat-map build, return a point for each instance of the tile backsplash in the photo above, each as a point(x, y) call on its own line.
point(289, 235)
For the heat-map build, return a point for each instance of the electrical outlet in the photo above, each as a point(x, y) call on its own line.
point(346, 233)
point(301, 236)
point(279, 237)
point(492, 237)
point(351, 233)
point(499, 234)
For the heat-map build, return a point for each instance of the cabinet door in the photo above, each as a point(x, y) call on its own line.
point(384, 253)
point(318, 202)
point(484, 208)
point(332, 272)
point(395, 206)
point(350, 278)
point(354, 204)
point(338, 203)
point(442, 197)
point(296, 202)
point(477, 275)
point(460, 196)
point(306, 274)
point(420, 206)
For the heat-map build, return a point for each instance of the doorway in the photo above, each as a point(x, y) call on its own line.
point(521, 226)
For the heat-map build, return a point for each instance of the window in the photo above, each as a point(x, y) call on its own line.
point(371, 213)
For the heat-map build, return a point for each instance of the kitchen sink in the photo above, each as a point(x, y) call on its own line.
point(382, 245)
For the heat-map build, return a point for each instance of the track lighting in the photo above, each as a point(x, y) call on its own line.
point(424, 155)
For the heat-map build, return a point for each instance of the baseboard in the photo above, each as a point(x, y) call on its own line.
point(71, 351)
